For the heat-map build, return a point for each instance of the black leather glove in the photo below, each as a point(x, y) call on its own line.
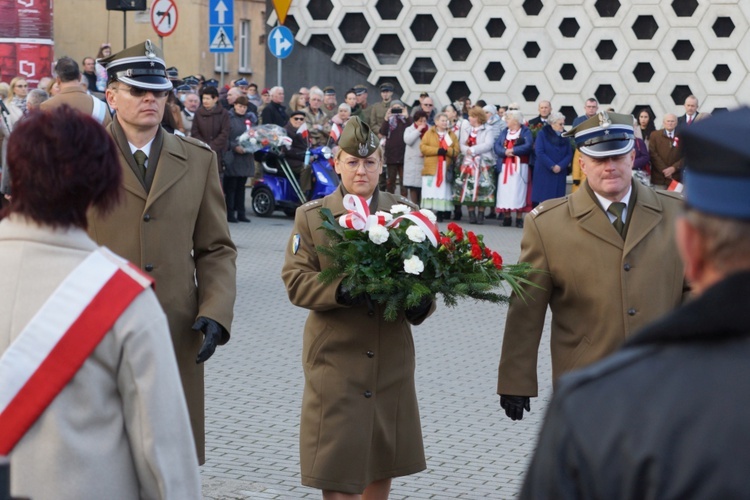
point(442, 152)
point(344, 297)
point(514, 406)
point(212, 332)
point(417, 313)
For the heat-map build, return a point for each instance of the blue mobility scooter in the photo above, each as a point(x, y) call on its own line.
point(279, 188)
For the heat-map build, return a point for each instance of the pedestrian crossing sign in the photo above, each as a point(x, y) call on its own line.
point(222, 38)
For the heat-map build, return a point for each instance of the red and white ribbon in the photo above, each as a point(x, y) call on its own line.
point(359, 218)
point(422, 222)
point(58, 339)
point(470, 168)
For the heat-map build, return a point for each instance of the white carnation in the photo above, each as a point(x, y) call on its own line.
point(415, 234)
point(400, 209)
point(386, 216)
point(413, 265)
point(429, 215)
point(378, 234)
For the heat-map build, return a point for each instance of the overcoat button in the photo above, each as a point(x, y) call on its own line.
point(368, 394)
point(149, 267)
point(370, 354)
point(631, 312)
point(626, 267)
point(147, 217)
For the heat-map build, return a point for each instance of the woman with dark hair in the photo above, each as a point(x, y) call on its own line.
point(114, 407)
point(413, 158)
point(646, 123)
point(238, 163)
point(211, 123)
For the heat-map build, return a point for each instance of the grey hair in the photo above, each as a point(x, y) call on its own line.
point(36, 97)
point(555, 116)
point(345, 106)
point(515, 115)
point(275, 90)
point(316, 91)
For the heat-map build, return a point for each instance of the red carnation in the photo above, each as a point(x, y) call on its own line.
point(472, 238)
point(476, 252)
point(445, 241)
point(497, 260)
point(487, 252)
point(456, 229)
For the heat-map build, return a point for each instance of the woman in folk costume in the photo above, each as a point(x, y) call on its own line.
point(513, 149)
point(475, 186)
point(439, 147)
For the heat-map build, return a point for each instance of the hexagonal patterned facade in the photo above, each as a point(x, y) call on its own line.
point(630, 56)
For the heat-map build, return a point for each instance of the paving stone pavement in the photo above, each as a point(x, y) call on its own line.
point(254, 388)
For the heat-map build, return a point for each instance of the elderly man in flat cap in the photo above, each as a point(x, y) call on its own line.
point(357, 366)
point(667, 415)
point(173, 222)
point(608, 264)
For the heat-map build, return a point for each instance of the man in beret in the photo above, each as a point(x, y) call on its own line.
point(173, 221)
point(377, 112)
point(330, 106)
point(607, 260)
point(667, 415)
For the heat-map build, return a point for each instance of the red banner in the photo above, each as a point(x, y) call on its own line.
point(26, 46)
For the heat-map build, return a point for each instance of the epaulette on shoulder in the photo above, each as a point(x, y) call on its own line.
point(548, 205)
point(194, 142)
point(671, 194)
point(311, 204)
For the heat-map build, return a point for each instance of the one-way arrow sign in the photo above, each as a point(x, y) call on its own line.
point(221, 25)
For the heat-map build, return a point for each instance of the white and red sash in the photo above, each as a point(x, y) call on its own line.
point(46, 355)
point(445, 143)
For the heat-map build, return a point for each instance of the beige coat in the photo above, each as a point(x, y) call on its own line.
point(360, 419)
point(600, 288)
point(76, 98)
point(119, 429)
point(177, 232)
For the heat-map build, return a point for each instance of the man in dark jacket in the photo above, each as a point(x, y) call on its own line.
point(667, 416)
point(274, 113)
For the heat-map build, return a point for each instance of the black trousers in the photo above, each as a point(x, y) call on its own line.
point(234, 195)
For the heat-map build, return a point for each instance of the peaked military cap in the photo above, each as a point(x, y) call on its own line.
point(717, 164)
point(329, 91)
point(141, 66)
point(241, 83)
point(604, 134)
point(386, 87)
point(213, 82)
point(360, 89)
point(191, 80)
point(357, 139)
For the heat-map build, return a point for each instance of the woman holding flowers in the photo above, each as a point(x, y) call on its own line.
point(360, 422)
point(475, 187)
point(439, 147)
point(513, 148)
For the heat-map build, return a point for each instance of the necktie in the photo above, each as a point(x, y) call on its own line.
point(616, 209)
point(140, 160)
point(690, 119)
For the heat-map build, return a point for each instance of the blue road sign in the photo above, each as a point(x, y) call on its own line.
point(281, 42)
point(221, 25)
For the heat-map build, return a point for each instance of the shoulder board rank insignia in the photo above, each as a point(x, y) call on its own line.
point(536, 210)
point(295, 243)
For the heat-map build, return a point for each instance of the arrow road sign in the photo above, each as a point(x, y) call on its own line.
point(221, 25)
point(164, 17)
point(281, 42)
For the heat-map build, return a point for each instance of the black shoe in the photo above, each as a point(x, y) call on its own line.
point(492, 215)
point(507, 221)
point(472, 217)
point(439, 216)
point(519, 223)
point(231, 219)
point(243, 218)
point(457, 214)
point(480, 218)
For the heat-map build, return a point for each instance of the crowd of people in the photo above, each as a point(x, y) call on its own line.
point(159, 185)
